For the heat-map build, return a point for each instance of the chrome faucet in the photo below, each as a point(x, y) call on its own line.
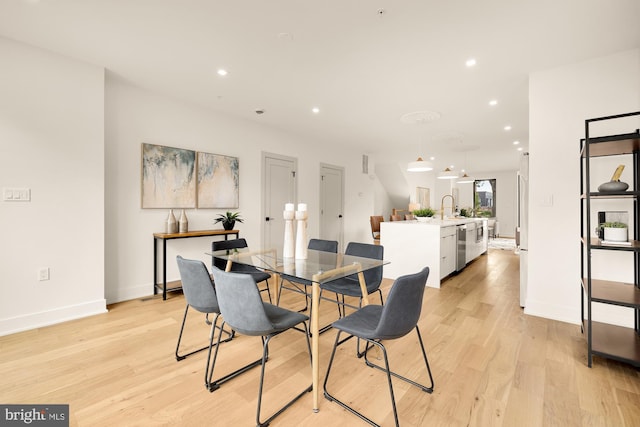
point(453, 202)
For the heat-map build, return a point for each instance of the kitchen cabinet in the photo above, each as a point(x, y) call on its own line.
point(605, 336)
point(447, 251)
point(409, 246)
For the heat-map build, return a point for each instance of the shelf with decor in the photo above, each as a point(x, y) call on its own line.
point(608, 339)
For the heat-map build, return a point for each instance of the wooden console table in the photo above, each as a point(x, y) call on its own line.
point(171, 236)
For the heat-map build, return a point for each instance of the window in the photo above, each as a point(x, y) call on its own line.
point(484, 196)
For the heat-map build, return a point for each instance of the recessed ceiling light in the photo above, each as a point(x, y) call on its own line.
point(507, 128)
point(285, 36)
point(493, 102)
point(432, 158)
point(315, 110)
point(516, 142)
point(470, 62)
point(222, 72)
point(519, 148)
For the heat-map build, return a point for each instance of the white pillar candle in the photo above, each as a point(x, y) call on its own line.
point(288, 206)
point(288, 250)
point(301, 234)
point(302, 207)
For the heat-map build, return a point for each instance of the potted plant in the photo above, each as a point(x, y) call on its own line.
point(423, 215)
point(615, 231)
point(229, 219)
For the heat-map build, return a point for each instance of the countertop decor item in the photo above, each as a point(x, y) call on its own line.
point(229, 219)
point(615, 184)
point(424, 215)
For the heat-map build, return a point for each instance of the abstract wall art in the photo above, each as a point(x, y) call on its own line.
point(168, 177)
point(218, 181)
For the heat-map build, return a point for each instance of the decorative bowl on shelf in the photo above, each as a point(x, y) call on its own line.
point(613, 186)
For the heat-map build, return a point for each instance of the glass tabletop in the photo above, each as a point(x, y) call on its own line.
point(326, 265)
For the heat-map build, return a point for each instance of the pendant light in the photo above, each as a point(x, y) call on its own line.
point(420, 118)
point(465, 179)
point(419, 166)
point(447, 174)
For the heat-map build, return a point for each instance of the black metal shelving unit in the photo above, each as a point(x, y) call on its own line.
point(604, 339)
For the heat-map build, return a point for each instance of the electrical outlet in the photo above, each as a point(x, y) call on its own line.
point(16, 194)
point(43, 274)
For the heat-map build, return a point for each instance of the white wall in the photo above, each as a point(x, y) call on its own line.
point(560, 100)
point(52, 142)
point(134, 116)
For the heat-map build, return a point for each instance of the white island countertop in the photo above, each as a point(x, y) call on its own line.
point(443, 222)
point(410, 246)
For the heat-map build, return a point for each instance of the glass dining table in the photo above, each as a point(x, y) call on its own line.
point(319, 267)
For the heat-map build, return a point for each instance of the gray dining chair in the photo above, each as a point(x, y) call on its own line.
point(233, 245)
point(300, 285)
point(200, 294)
point(375, 323)
point(350, 285)
point(245, 312)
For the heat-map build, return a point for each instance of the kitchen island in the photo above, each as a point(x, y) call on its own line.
point(445, 246)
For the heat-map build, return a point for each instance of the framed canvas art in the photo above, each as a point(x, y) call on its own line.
point(423, 196)
point(168, 177)
point(218, 181)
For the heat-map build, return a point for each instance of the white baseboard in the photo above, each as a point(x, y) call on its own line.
point(51, 317)
point(561, 313)
point(127, 294)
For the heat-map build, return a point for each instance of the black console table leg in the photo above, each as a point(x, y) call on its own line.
point(155, 265)
point(164, 269)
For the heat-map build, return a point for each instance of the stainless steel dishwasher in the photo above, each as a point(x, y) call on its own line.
point(461, 256)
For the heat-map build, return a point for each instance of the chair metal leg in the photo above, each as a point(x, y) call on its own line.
point(386, 369)
point(208, 379)
point(179, 356)
point(428, 389)
point(366, 348)
point(291, 402)
point(267, 290)
point(332, 398)
point(306, 296)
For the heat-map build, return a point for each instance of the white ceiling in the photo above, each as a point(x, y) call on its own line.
point(364, 63)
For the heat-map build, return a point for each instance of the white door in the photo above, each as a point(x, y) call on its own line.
point(279, 178)
point(331, 203)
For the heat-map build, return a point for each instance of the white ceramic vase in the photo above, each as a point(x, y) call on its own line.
point(183, 223)
point(172, 224)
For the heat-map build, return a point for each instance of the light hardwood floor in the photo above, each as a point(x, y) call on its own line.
point(492, 365)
